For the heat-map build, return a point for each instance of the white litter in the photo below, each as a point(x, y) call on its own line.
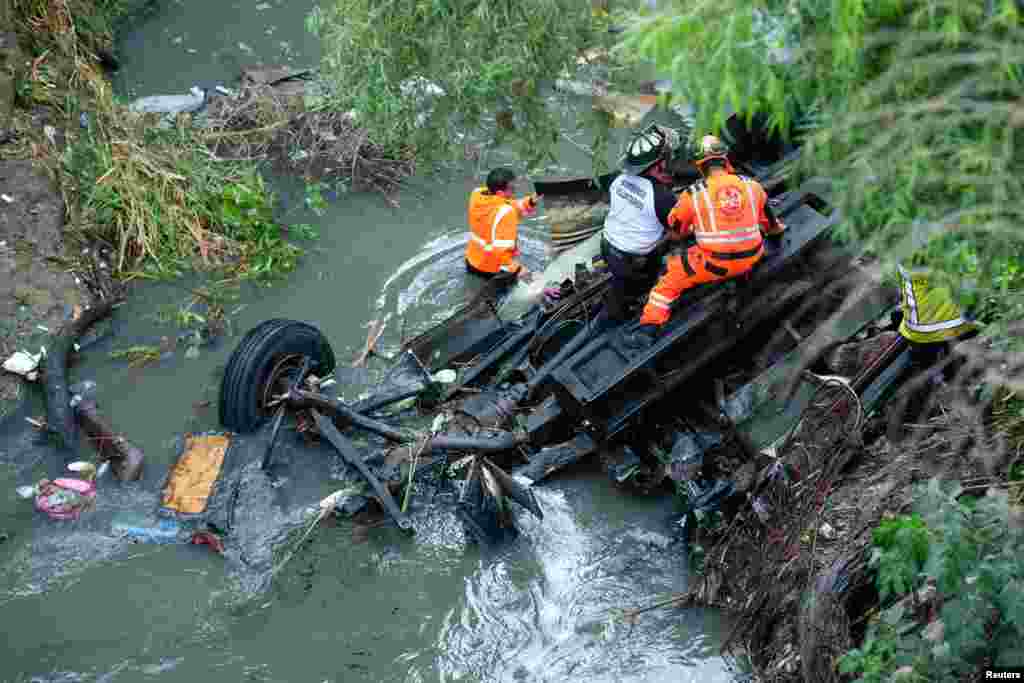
point(86, 469)
point(171, 104)
point(26, 492)
point(7, 198)
point(445, 376)
point(23, 363)
point(331, 501)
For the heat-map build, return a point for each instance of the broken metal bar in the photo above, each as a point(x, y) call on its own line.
point(300, 398)
point(279, 415)
point(493, 356)
point(278, 418)
point(553, 458)
point(502, 441)
point(378, 401)
point(350, 454)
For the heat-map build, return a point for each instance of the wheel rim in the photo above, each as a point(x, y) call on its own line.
point(279, 379)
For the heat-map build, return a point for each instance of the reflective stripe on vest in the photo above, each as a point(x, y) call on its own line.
point(715, 236)
point(914, 316)
point(501, 244)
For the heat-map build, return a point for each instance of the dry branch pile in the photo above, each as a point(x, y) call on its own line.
point(795, 570)
point(268, 120)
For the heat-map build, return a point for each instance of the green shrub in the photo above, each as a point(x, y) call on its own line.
point(973, 553)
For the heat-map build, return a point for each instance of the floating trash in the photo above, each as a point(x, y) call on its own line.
point(64, 499)
point(149, 530)
point(446, 376)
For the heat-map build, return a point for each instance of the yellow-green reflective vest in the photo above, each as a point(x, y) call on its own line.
point(929, 313)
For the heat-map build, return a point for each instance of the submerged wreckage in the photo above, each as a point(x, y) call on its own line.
point(544, 380)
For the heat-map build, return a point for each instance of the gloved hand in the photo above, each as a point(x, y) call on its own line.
point(642, 337)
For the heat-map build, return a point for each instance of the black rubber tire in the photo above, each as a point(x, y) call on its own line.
point(254, 358)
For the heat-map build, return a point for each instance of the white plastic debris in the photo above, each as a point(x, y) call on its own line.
point(7, 198)
point(225, 91)
point(446, 376)
point(418, 86)
point(827, 531)
point(82, 467)
point(23, 363)
point(27, 492)
point(404, 404)
point(439, 422)
point(171, 104)
point(328, 383)
point(331, 501)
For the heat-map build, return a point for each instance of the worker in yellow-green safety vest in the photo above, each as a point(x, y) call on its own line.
point(931, 321)
point(930, 315)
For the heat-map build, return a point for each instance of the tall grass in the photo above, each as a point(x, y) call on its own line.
point(157, 196)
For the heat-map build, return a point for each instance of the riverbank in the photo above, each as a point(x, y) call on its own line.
point(97, 195)
point(868, 556)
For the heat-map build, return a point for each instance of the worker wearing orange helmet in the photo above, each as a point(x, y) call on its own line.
point(727, 214)
point(493, 215)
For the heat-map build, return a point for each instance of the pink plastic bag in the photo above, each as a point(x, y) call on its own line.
point(65, 498)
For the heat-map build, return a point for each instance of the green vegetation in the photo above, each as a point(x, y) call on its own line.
point(911, 106)
point(138, 356)
point(969, 549)
point(491, 59)
point(154, 194)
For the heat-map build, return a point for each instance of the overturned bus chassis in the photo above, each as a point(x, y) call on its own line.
point(544, 389)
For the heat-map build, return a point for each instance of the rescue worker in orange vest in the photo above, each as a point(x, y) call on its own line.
point(494, 225)
point(726, 213)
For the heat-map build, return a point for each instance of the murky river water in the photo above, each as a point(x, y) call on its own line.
point(80, 604)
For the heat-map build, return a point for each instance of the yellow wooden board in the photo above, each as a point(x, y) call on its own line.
point(191, 479)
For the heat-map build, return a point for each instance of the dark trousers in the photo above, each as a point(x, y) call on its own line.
point(632, 278)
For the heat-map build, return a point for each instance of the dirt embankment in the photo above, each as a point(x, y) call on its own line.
point(37, 289)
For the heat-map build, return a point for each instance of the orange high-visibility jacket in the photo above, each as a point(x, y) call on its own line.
point(726, 213)
point(493, 228)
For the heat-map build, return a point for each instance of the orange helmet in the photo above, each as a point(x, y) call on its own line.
point(711, 147)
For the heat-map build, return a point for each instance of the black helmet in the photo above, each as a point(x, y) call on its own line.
point(655, 143)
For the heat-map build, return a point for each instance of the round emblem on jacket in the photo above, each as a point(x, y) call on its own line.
point(729, 200)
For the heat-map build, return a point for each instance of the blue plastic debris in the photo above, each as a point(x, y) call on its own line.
point(148, 530)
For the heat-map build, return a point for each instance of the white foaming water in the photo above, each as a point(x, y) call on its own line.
point(545, 611)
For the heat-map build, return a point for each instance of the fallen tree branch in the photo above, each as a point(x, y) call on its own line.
point(126, 459)
point(59, 416)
